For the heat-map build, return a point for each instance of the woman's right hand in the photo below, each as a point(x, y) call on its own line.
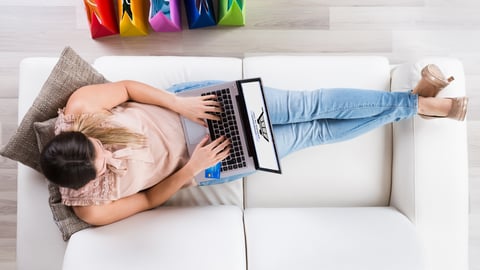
point(206, 155)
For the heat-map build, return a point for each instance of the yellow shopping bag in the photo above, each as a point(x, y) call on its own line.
point(133, 17)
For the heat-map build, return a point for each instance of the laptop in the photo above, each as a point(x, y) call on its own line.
point(244, 120)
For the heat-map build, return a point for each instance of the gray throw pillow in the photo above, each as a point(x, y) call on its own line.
point(44, 132)
point(67, 222)
point(70, 73)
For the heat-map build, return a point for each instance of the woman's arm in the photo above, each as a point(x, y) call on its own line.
point(204, 156)
point(125, 207)
point(100, 97)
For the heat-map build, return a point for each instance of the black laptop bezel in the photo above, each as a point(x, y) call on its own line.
point(246, 125)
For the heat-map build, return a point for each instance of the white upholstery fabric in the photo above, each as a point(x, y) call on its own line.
point(422, 163)
point(370, 238)
point(163, 71)
point(430, 171)
point(352, 173)
point(311, 72)
point(201, 238)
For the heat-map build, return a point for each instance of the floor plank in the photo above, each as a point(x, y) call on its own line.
point(401, 30)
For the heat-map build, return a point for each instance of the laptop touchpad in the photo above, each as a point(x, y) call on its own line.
point(195, 132)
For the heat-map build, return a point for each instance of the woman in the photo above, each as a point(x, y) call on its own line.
point(120, 148)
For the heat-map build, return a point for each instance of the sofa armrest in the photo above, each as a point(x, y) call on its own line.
point(430, 171)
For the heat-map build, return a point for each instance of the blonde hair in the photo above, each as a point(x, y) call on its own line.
point(94, 125)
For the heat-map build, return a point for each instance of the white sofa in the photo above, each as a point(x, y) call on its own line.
point(395, 198)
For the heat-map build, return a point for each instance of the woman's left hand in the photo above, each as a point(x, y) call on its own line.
point(198, 108)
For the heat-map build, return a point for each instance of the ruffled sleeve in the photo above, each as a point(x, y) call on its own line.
point(99, 191)
point(64, 122)
point(104, 188)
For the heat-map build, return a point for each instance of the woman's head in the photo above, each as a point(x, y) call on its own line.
point(75, 157)
point(68, 160)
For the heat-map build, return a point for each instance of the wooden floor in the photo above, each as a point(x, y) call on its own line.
point(401, 30)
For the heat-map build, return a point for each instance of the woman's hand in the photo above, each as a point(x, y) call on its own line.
point(206, 155)
point(198, 108)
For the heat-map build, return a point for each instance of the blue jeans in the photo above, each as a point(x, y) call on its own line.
point(301, 119)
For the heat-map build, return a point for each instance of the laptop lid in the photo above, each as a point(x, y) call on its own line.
point(257, 125)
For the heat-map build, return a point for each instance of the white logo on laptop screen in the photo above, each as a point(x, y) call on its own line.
point(260, 126)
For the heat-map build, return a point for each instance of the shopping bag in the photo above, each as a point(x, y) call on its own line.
point(200, 13)
point(101, 18)
point(231, 12)
point(164, 15)
point(132, 17)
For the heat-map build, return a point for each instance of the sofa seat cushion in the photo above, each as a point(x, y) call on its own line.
point(331, 238)
point(165, 238)
point(351, 173)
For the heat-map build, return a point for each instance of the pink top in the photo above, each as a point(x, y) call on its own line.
point(135, 169)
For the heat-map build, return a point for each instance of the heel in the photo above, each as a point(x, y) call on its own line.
point(432, 81)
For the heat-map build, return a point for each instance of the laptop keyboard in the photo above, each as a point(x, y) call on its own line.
point(227, 126)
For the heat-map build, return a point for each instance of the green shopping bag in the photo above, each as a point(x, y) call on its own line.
point(231, 12)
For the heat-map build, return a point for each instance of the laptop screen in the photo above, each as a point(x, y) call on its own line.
point(260, 127)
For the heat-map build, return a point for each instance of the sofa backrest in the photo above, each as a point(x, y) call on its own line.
point(164, 71)
point(351, 173)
